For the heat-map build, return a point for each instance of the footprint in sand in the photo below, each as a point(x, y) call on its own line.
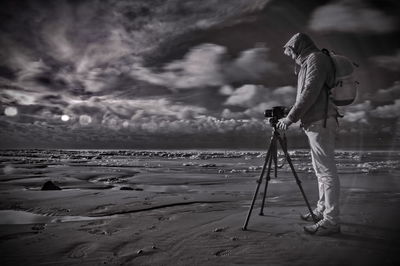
point(222, 253)
point(102, 208)
point(125, 249)
point(100, 231)
point(98, 228)
point(164, 218)
point(95, 223)
point(225, 252)
point(281, 234)
point(81, 250)
point(129, 249)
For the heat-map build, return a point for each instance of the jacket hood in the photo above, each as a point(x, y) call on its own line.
point(302, 45)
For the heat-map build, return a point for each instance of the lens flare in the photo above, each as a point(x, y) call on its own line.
point(11, 111)
point(125, 124)
point(8, 169)
point(85, 120)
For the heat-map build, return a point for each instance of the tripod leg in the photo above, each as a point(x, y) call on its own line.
point(268, 177)
point(267, 158)
point(284, 148)
point(276, 161)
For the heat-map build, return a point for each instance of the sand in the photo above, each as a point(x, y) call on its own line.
point(189, 209)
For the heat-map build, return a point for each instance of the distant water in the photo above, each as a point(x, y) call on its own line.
point(347, 161)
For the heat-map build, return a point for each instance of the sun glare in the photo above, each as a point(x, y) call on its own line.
point(65, 118)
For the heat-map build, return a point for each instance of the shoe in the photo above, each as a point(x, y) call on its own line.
point(322, 228)
point(308, 217)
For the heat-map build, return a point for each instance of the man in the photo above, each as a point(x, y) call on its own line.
point(318, 116)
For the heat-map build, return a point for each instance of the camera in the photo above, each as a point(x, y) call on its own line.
point(277, 112)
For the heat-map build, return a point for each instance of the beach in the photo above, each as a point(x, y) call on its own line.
point(125, 207)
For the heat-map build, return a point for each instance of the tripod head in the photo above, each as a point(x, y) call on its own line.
point(276, 113)
point(273, 121)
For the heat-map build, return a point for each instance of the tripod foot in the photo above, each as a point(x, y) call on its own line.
point(261, 214)
point(244, 229)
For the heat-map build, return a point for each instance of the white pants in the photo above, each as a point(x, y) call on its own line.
point(322, 144)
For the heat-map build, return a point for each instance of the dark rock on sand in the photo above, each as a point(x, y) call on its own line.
point(50, 186)
point(131, 188)
point(208, 165)
point(126, 188)
point(38, 227)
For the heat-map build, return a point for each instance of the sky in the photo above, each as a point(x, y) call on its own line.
point(176, 74)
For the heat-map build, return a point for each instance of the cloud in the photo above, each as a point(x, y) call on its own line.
point(256, 99)
point(364, 106)
point(226, 90)
point(356, 116)
point(201, 66)
point(209, 65)
point(389, 94)
point(351, 17)
point(117, 113)
point(245, 96)
point(29, 70)
point(285, 95)
point(366, 113)
point(83, 48)
point(18, 97)
point(116, 69)
point(78, 50)
point(256, 95)
point(390, 62)
point(112, 48)
point(169, 121)
point(363, 112)
point(251, 65)
point(356, 113)
point(107, 119)
point(152, 23)
point(387, 111)
point(228, 114)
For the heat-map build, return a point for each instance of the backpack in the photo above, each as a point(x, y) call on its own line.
point(344, 90)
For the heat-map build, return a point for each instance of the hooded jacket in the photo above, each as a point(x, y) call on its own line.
point(315, 75)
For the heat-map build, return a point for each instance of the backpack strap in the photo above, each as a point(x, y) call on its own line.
point(325, 51)
point(328, 93)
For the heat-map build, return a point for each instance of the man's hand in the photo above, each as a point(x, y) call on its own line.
point(283, 123)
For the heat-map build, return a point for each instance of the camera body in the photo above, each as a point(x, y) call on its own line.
point(277, 112)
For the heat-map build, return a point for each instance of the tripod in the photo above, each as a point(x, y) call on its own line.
point(272, 156)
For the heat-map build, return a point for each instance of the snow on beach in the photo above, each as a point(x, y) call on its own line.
point(187, 207)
